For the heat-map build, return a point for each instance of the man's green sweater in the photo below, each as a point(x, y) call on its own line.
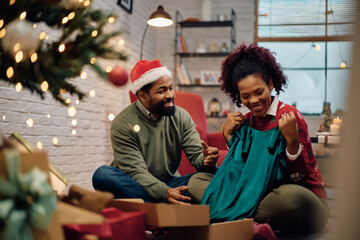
point(149, 151)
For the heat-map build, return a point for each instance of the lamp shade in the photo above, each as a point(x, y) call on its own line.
point(160, 18)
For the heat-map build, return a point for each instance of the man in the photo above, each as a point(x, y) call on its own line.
point(148, 137)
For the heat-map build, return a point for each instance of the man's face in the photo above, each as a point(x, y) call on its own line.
point(160, 99)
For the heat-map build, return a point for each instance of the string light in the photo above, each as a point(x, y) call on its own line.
point(62, 47)
point(10, 72)
point(92, 93)
point(33, 57)
point(4, 117)
point(19, 56)
point(11, 2)
point(1, 23)
point(44, 86)
point(18, 87)
point(93, 60)
point(64, 20)
point(72, 111)
point(111, 116)
point(47, 37)
point(2, 33)
point(63, 90)
point(73, 132)
point(111, 19)
point(48, 115)
point(42, 35)
point(34, 26)
point(55, 141)
point(39, 145)
point(30, 122)
point(68, 101)
point(108, 69)
point(71, 15)
point(343, 64)
point(86, 3)
point(94, 33)
point(136, 128)
point(77, 101)
point(22, 15)
point(74, 122)
point(121, 42)
point(83, 75)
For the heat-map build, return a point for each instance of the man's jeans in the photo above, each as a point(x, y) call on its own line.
point(112, 179)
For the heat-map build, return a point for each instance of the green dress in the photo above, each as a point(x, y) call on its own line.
point(256, 162)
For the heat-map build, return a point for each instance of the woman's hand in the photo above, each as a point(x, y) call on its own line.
point(289, 129)
point(233, 121)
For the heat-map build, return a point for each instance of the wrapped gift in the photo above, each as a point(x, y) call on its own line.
point(27, 201)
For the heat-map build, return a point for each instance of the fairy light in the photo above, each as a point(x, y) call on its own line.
point(77, 101)
point(11, 2)
point(33, 57)
point(2, 33)
point(108, 69)
point(93, 60)
point(22, 15)
point(121, 42)
point(48, 115)
point(39, 145)
point(136, 128)
point(74, 122)
point(67, 101)
point(73, 132)
point(83, 75)
point(64, 20)
point(44, 86)
point(18, 87)
point(111, 19)
point(92, 93)
point(47, 37)
point(30, 122)
point(62, 47)
point(94, 33)
point(63, 90)
point(111, 116)
point(72, 111)
point(19, 56)
point(86, 3)
point(343, 64)
point(16, 47)
point(1, 23)
point(4, 117)
point(55, 141)
point(10, 72)
point(35, 25)
point(71, 15)
point(42, 35)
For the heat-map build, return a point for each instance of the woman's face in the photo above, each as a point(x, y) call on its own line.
point(255, 94)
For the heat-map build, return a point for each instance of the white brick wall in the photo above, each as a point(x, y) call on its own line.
point(78, 156)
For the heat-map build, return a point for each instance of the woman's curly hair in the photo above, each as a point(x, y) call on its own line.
point(248, 60)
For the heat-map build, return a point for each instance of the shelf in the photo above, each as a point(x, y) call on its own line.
point(199, 85)
point(216, 117)
point(207, 54)
point(206, 24)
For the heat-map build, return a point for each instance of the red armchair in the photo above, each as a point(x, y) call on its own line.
point(194, 104)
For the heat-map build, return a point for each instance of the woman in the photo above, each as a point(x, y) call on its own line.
point(249, 75)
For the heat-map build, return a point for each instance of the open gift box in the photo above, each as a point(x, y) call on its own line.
point(187, 222)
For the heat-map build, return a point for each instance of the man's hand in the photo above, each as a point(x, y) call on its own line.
point(233, 121)
point(211, 154)
point(289, 129)
point(176, 195)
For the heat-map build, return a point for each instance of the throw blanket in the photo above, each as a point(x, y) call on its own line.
point(255, 162)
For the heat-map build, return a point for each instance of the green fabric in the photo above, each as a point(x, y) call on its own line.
point(256, 160)
point(152, 155)
point(27, 200)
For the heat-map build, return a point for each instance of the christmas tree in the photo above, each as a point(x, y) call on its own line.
point(327, 120)
point(29, 60)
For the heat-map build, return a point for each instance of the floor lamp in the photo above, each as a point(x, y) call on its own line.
point(159, 18)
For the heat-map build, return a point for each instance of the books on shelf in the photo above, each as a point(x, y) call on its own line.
point(181, 44)
point(183, 75)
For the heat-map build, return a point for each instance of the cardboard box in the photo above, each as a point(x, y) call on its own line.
point(187, 222)
point(29, 161)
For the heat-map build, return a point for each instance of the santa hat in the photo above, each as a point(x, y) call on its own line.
point(145, 72)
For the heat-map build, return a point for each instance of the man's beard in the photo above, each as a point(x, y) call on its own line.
point(164, 111)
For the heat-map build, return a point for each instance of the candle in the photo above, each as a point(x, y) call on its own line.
point(334, 129)
point(337, 121)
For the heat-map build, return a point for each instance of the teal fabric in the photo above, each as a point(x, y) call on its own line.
point(255, 162)
point(27, 200)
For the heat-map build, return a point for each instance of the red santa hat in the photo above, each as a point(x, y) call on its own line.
point(145, 72)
